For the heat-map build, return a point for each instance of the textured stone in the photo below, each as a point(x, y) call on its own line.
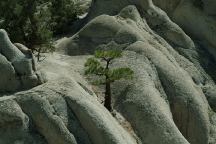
point(17, 66)
point(170, 100)
point(167, 96)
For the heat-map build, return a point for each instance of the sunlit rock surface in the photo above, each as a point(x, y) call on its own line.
point(169, 44)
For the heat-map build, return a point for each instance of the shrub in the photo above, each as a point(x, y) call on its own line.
point(28, 22)
point(64, 13)
point(33, 22)
point(199, 4)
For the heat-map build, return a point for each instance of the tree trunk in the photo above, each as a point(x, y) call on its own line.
point(108, 100)
point(38, 55)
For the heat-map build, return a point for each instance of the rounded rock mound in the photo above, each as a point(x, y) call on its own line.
point(168, 96)
point(17, 66)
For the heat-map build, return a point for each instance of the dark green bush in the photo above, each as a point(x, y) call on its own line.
point(26, 21)
point(64, 13)
point(33, 22)
point(199, 4)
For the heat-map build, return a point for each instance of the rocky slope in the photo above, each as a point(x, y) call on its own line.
point(171, 100)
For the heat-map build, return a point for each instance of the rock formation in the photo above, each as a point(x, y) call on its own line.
point(62, 111)
point(171, 100)
point(17, 66)
point(196, 17)
point(171, 96)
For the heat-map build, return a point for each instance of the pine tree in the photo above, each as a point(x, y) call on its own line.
point(100, 65)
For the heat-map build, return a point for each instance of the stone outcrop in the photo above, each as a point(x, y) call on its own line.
point(62, 111)
point(195, 17)
point(172, 90)
point(17, 66)
point(170, 100)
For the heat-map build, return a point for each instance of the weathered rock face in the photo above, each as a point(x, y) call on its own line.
point(169, 99)
point(17, 66)
point(62, 111)
point(195, 17)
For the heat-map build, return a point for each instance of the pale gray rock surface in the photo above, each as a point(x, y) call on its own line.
point(17, 66)
point(62, 111)
point(171, 99)
point(195, 17)
point(171, 94)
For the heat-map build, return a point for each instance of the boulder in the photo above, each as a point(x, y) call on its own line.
point(17, 66)
point(15, 124)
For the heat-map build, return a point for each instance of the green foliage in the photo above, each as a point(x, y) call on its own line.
point(199, 4)
point(15, 18)
point(111, 54)
point(42, 30)
point(99, 65)
point(27, 22)
point(64, 13)
point(120, 73)
point(33, 22)
point(94, 67)
point(102, 68)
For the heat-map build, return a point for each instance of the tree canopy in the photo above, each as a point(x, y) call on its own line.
point(95, 66)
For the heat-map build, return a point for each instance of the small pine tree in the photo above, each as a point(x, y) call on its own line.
point(99, 65)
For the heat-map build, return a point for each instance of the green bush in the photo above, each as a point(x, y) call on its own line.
point(26, 21)
point(33, 22)
point(64, 13)
point(199, 4)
